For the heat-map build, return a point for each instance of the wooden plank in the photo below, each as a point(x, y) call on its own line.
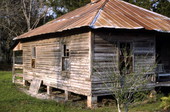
point(91, 101)
point(18, 74)
point(19, 66)
point(18, 47)
point(49, 90)
point(35, 85)
point(13, 68)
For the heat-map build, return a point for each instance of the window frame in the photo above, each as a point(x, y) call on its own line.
point(65, 58)
point(131, 54)
point(33, 56)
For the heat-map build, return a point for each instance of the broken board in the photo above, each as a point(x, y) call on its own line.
point(35, 85)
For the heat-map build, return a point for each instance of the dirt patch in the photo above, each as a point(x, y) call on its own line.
point(75, 100)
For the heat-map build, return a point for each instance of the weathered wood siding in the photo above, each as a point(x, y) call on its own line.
point(48, 63)
point(106, 57)
point(105, 60)
point(102, 48)
point(144, 54)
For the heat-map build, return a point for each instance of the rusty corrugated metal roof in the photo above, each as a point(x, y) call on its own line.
point(105, 14)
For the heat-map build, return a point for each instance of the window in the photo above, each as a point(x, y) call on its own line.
point(65, 58)
point(18, 57)
point(34, 52)
point(33, 57)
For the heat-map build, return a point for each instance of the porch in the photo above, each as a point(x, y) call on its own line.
point(17, 70)
point(163, 60)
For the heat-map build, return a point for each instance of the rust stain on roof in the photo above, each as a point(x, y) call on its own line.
point(105, 14)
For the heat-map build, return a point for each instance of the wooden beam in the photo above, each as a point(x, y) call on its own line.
point(91, 101)
point(91, 52)
point(13, 68)
point(24, 82)
point(49, 90)
point(67, 94)
point(91, 58)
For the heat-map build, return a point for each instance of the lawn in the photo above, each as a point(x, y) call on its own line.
point(12, 100)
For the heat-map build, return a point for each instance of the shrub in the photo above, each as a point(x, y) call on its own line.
point(165, 103)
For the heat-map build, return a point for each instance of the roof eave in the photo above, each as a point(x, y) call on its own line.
point(96, 27)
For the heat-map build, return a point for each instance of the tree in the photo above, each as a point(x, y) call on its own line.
point(159, 6)
point(33, 11)
point(9, 26)
point(17, 17)
point(163, 7)
point(61, 7)
point(122, 81)
point(142, 3)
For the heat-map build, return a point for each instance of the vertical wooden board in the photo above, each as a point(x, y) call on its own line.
point(91, 52)
point(13, 69)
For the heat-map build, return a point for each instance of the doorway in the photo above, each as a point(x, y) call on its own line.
point(125, 57)
point(163, 58)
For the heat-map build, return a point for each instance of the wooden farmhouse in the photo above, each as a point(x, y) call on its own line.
point(62, 53)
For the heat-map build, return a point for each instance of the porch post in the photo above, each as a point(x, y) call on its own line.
point(13, 67)
point(24, 82)
point(91, 101)
point(49, 90)
point(67, 94)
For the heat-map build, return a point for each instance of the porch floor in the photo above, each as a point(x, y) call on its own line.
point(163, 84)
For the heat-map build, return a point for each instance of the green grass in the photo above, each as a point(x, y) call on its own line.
point(150, 107)
point(12, 100)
